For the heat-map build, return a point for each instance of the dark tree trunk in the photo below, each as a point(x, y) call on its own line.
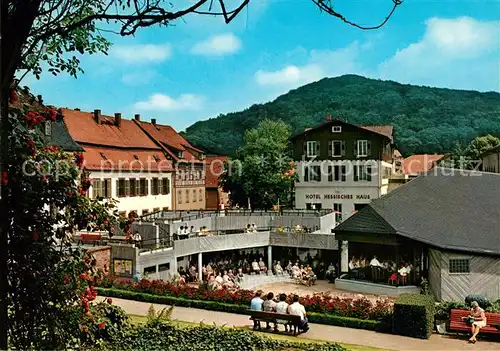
point(15, 27)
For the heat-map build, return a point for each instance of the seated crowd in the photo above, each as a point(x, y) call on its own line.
point(279, 305)
point(385, 271)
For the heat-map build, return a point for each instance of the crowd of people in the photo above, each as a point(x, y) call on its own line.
point(268, 303)
point(378, 271)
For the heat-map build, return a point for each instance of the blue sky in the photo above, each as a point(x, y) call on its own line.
point(202, 67)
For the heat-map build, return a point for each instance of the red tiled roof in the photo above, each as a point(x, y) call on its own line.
point(170, 138)
point(383, 130)
point(416, 164)
point(214, 167)
point(125, 160)
point(84, 129)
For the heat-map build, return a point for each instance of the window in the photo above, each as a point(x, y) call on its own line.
point(156, 209)
point(48, 128)
point(359, 207)
point(336, 129)
point(122, 267)
point(194, 195)
point(338, 215)
point(180, 154)
point(150, 270)
point(312, 174)
point(312, 148)
point(165, 186)
point(339, 173)
point(101, 188)
point(164, 267)
point(362, 173)
point(143, 187)
point(337, 148)
point(155, 186)
point(459, 265)
point(363, 148)
point(179, 196)
point(134, 187)
point(165, 209)
point(313, 206)
point(121, 187)
point(145, 212)
point(200, 195)
point(187, 196)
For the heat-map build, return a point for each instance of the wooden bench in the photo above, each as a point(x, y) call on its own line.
point(272, 317)
point(90, 237)
point(458, 323)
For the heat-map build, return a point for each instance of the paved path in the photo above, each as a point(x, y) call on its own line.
point(317, 331)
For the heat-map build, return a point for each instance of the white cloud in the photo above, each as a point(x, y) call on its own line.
point(458, 53)
point(218, 45)
point(320, 63)
point(161, 102)
point(138, 78)
point(142, 53)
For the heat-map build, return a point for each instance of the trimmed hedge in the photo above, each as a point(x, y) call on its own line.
point(414, 315)
point(313, 317)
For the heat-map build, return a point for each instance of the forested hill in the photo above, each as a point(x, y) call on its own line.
point(426, 120)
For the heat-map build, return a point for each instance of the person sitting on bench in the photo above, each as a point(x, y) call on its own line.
point(270, 306)
point(256, 305)
point(477, 313)
point(282, 307)
point(297, 309)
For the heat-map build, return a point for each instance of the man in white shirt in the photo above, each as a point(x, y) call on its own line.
point(298, 309)
point(376, 267)
point(137, 239)
point(282, 307)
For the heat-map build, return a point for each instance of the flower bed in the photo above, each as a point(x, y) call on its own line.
point(320, 303)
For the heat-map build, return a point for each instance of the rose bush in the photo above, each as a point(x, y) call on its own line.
point(362, 308)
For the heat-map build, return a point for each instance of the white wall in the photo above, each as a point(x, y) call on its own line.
point(137, 203)
point(491, 163)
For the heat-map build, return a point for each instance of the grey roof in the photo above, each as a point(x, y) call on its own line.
point(445, 208)
point(60, 137)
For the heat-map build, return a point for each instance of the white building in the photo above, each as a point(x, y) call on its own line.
point(122, 162)
point(342, 167)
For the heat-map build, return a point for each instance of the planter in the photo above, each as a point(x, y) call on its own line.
point(441, 326)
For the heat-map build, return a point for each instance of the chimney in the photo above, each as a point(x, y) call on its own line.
point(97, 116)
point(137, 117)
point(118, 119)
point(40, 99)
point(153, 121)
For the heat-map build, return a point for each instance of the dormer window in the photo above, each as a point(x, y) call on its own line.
point(48, 128)
point(180, 154)
point(336, 129)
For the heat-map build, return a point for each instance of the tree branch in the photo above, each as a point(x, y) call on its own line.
point(325, 5)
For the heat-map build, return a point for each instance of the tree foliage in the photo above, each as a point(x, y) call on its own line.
point(426, 120)
point(262, 171)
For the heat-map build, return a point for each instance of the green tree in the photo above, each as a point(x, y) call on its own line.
point(262, 171)
point(480, 145)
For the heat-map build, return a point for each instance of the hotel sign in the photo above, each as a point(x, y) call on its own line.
point(338, 197)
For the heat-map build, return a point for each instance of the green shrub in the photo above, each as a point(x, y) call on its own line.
point(314, 317)
point(414, 315)
point(482, 300)
point(443, 309)
point(170, 337)
point(495, 307)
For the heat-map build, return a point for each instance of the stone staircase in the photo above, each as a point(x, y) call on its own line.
point(252, 281)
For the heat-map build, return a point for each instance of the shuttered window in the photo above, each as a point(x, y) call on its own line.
point(165, 186)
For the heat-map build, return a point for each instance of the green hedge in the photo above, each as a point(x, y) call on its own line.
point(319, 318)
point(414, 315)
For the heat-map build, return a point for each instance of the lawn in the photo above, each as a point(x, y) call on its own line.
point(142, 319)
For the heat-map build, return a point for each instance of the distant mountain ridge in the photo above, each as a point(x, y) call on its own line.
point(425, 119)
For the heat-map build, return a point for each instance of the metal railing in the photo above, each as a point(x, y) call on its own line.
point(192, 215)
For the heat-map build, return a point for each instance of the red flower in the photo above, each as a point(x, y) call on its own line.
point(53, 114)
point(110, 300)
point(79, 159)
point(101, 325)
point(67, 279)
point(35, 236)
point(5, 178)
point(13, 96)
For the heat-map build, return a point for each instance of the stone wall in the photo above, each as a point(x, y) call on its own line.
point(102, 254)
